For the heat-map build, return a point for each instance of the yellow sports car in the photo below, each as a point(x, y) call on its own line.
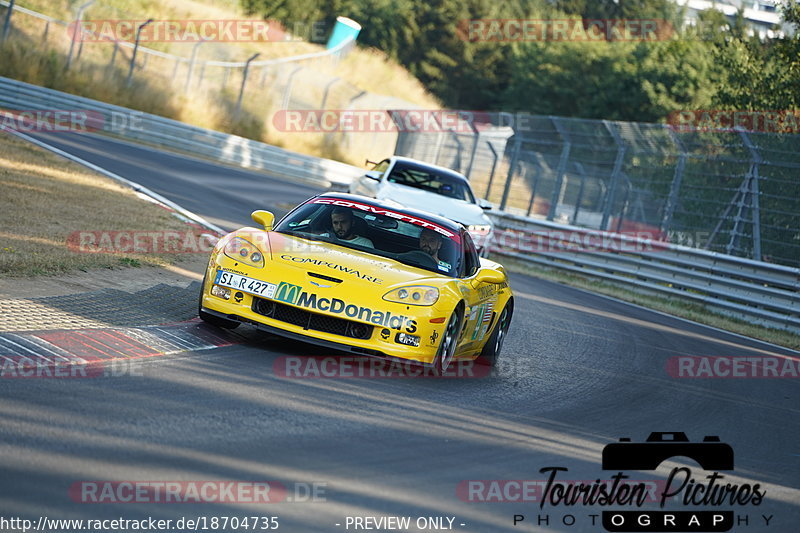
point(351, 273)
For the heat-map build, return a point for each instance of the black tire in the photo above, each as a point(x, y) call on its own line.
point(447, 348)
point(213, 319)
point(491, 350)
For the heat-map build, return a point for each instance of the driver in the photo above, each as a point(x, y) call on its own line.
point(430, 242)
point(342, 223)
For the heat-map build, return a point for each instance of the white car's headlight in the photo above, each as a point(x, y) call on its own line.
point(245, 252)
point(413, 295)
point(480, 229)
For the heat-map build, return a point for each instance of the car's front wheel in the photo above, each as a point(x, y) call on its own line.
point(447, 348)
point(213, 319)
point(491, 350)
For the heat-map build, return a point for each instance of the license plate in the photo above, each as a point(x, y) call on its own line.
point(243, 283)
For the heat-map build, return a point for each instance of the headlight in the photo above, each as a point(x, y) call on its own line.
point(413, 295)
point(245, 252)
point(480, 229)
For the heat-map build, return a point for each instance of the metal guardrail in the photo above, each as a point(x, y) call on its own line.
point(163, 132)
point(761, 292)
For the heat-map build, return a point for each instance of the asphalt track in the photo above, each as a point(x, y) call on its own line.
point(579, 371)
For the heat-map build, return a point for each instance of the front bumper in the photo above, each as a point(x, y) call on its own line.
point(332, 331)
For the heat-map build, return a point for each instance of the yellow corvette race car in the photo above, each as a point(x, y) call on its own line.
point(355, 274)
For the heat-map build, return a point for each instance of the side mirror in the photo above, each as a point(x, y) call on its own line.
point(374, 175)
point(488, 275)
point(485, 204)
point(263, 218)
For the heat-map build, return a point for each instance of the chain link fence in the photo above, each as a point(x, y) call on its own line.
point(733, 192)
point(304, 81)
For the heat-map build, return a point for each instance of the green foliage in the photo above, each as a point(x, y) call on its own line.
point(715, 63)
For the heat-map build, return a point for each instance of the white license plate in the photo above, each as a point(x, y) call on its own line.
point(243, 283)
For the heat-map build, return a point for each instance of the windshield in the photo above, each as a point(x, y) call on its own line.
point(430, 180)
point(411, 240)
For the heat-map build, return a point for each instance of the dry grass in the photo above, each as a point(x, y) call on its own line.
point(46, 198)
point(694, 312)
point(159, 87)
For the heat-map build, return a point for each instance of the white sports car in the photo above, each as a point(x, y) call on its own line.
point(407, 182)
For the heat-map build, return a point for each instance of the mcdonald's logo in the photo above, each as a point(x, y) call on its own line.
point(288, 293)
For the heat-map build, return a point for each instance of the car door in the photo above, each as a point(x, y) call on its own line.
point(480, 299)
point(369, 183)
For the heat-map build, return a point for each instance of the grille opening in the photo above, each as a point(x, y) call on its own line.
point(311, 321)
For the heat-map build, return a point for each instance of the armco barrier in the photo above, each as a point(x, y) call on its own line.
point(163, 132)
point(756, 291)
point(761, 292)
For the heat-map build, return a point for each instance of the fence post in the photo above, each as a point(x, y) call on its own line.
point(751, 188)
point(7, 22)
point(78, 31)
point(511, 166)
point(491, 174)
point(241, 89)
point(327, 89)
point(615, 175)
point(135, 49)
point(677, 178)
point(287, 91)
point(562, 169)
point(476, 138)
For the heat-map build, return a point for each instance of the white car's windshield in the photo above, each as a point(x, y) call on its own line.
point(430, 180)
point(411, 240)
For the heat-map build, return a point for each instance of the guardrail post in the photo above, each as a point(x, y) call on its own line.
point(558, 186)
point(615, 175)
point(7, 21)
point(511, 167)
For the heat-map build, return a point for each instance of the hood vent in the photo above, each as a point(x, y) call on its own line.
point(326, 278)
